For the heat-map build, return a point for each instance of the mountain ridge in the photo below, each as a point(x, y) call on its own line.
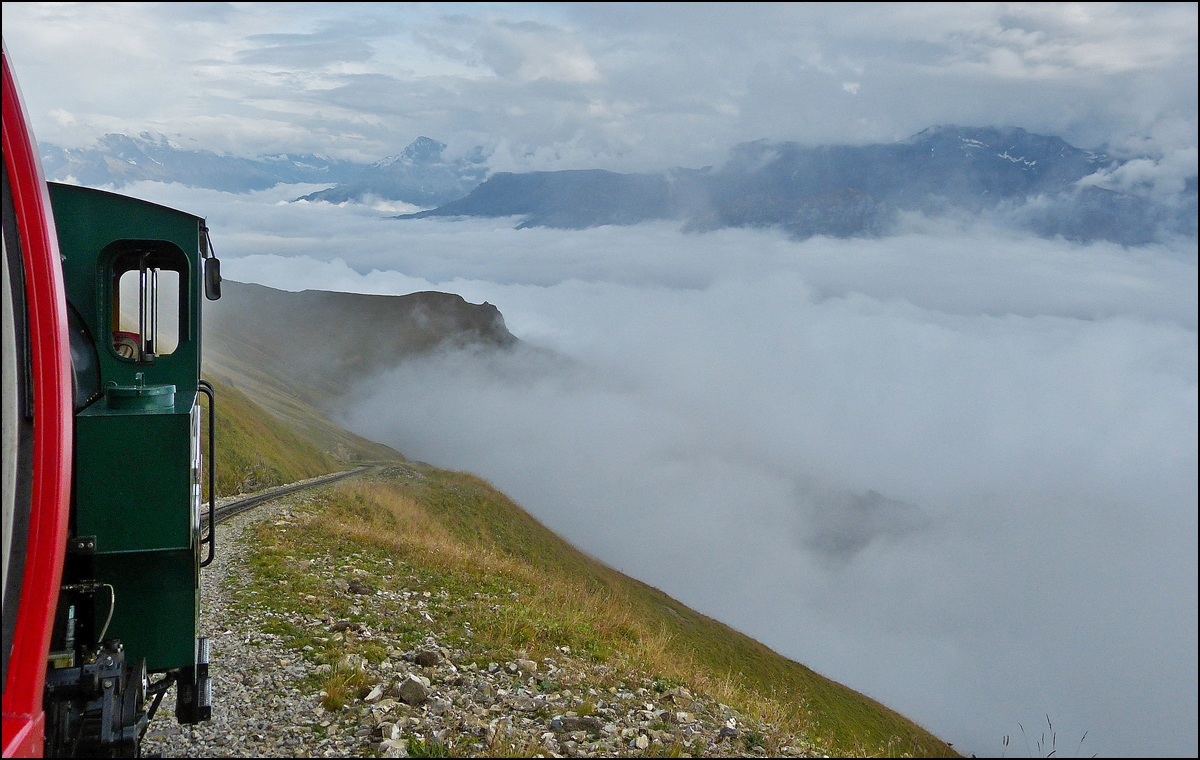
point(118, 159)
point(333, 340)
point(568, 199)
point(420, 175)
point(1010, 175)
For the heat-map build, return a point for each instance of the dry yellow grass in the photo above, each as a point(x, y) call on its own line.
point(441, 523)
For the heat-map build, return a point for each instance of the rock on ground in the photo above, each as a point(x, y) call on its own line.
point(264, 705)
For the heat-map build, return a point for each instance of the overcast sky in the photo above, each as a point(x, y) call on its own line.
point(627, 87)
point(954, 468)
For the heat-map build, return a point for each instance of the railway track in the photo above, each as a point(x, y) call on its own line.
point(227, 511)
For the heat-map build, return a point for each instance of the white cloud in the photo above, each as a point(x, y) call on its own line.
point(531, 51)
point(709, 438)
point(1025, 409)
point(1165, 177)
point(626, 88)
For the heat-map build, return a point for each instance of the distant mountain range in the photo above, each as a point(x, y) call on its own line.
point(1012, 175)
point(1009, 175)
point(117, 160)
point(572, 199)
point(420, 175)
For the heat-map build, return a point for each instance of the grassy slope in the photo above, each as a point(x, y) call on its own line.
point(287, 407)
point(315, 346)
point(458, 533)
point(257, 449)
point(695, 649)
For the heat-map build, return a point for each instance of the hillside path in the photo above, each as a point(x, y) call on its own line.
point(258, 709)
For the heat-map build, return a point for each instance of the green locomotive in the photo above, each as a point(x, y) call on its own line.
point(135, 274)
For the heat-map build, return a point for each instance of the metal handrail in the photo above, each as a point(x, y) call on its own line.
point(206, 388)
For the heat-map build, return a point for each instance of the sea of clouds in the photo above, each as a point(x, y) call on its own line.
point(954, 468)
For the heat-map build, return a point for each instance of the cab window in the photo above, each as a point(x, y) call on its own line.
point(148, 302)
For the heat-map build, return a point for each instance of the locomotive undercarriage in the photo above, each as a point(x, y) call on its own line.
point(100, 708)
point(97, 709)
point(98, 702)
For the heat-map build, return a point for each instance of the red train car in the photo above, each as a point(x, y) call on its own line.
point(37, 428)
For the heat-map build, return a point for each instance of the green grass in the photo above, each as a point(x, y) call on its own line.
point(475, 513)
point(255, 451)
point(491, 567)
point(696, 645)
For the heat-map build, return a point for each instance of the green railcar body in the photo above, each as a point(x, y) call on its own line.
point(137, 455)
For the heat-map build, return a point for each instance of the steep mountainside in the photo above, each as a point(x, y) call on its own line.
point(258, 451)
point(392, 598)
point(315, 345)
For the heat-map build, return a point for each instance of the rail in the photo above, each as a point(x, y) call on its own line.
point(227, 511)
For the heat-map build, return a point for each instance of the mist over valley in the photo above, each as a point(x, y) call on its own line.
point(924, 464)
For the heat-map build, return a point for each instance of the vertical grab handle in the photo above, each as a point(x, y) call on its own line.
point(206, 388)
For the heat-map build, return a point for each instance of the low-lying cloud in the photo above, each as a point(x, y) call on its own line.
point(843, 525)
point(964, 516)
point(954, 468)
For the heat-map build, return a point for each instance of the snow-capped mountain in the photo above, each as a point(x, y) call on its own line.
point(1010, 175)
point(420, 175)
point(119, 159)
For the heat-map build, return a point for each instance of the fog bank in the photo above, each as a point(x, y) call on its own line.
point(954, 469)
